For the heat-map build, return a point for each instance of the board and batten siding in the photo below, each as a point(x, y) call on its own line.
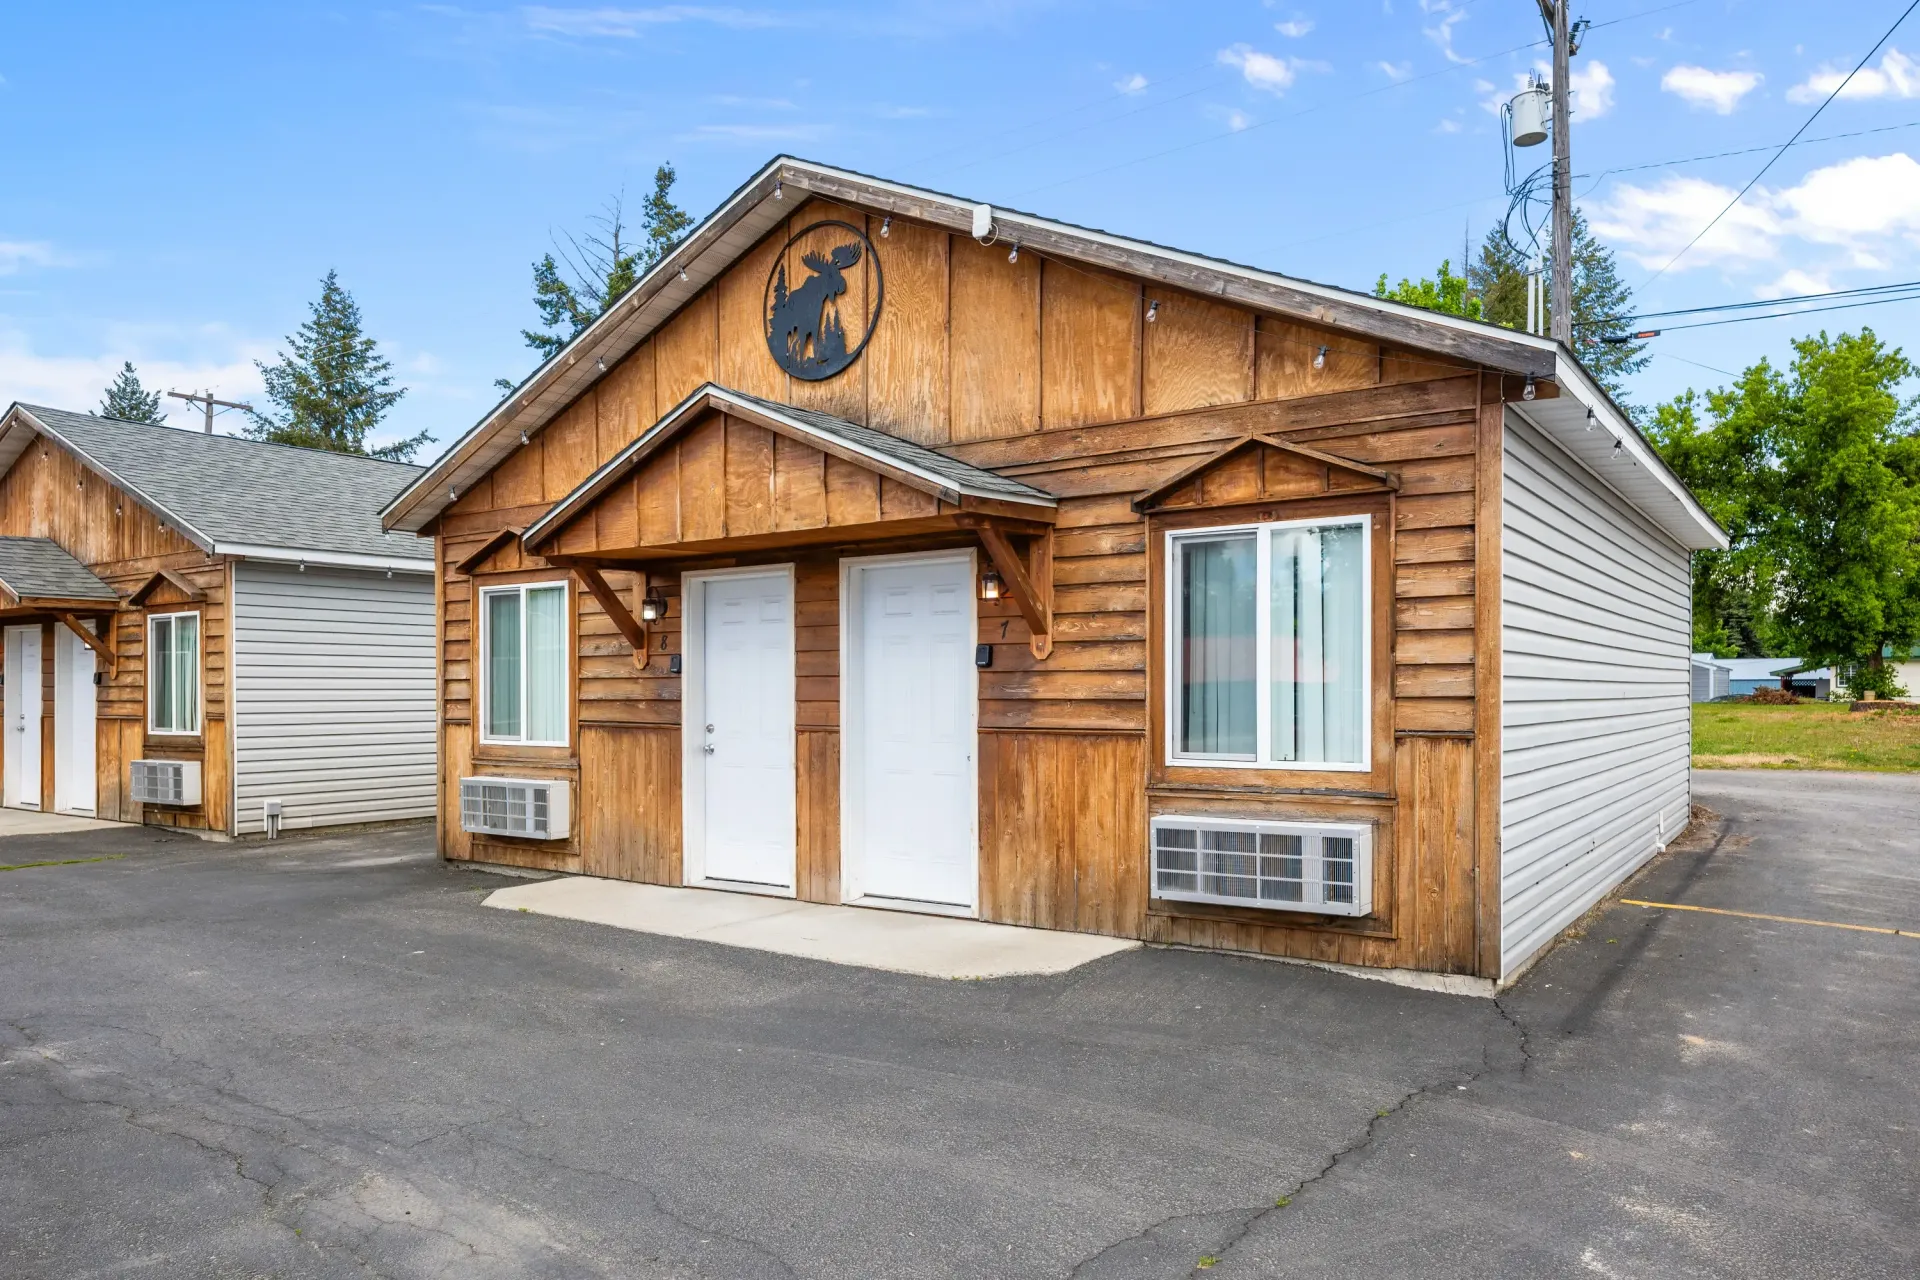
point(1596, 715)
point(333, 695)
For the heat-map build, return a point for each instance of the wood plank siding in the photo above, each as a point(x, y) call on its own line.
point(1595, 710)
point(48, 492)
point(1054, 375)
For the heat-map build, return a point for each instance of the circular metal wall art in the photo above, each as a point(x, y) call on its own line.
point(809, 333)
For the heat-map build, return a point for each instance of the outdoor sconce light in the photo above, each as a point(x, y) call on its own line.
point(653, 605)
point(990, 585)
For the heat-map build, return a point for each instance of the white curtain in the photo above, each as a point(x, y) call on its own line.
point(503, 664)
point(547, 664)
point(186, 672)
point(1218, 656)
point(1319, 658)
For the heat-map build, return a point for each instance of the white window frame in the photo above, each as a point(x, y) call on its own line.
point(483, 691)
point(1262, 532)
point(199, 681)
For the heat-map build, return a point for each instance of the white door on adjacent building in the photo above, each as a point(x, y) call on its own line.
point(914, 733)
point(20, 783)
point(741, 731)
point(75, 789)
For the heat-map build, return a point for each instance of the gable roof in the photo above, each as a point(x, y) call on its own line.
point(230, 496)
point(913, 464)
point(41, 569)
point(732, 230)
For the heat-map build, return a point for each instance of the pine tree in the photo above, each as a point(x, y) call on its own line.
point(128, 401)
point(1602, 302)
point(332, 387)
point(601, 265)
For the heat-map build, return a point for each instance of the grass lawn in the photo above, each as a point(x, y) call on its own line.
point(1811, 735)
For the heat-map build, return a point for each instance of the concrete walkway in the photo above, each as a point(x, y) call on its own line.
point(898, 941)
point(31, 822)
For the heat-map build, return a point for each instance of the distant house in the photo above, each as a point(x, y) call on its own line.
point(1744, 675)
point(1906, 668)
point(1810, 682)
point(201, 630)
point(1710, 678)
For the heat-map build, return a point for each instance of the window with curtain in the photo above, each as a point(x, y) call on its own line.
point(1269, 644)
point(524, 681)
point(173, 673)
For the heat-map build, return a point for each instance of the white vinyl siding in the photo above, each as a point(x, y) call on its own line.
point(1596, 716)
point(333, 695)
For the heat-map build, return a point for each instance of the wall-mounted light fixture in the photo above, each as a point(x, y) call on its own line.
point(653, 605)
point(990, 585)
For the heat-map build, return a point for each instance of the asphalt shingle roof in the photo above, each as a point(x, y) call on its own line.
point(39, 568)
point(246, 492)
point(963, 475)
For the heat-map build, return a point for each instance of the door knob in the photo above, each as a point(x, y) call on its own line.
point(708, 748)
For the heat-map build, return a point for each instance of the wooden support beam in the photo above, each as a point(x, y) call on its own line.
point(609, 600)
point(94, 642)
point(1032, 592)
point(166, 576)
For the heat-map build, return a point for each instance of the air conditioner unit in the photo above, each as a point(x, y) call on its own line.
point(165, 781)
point(531, 808)
point(1321, 867)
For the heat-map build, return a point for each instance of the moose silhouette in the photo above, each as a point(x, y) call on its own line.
point(803, 327)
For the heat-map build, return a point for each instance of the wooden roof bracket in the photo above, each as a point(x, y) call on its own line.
point(1149, 500)
point(1029, 582)
point(105, 648)
point(479, 556)
point(152, 584)
point(609, 600)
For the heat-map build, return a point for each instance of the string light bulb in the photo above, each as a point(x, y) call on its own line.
point(778, 194)
point(600, 362)
point(1319, 357)
point(1526, 392)
point(1619, 446)
point(1591, 420)
point(523, 438)
point(886, 227)
point(1153, 311)
point(1014, 255)
point(683, 273)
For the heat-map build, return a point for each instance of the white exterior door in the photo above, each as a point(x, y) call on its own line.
point(916, 800)
point(740, 732)
point(21, 781)
point(75, 789)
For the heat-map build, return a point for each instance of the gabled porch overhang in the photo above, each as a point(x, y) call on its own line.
point(41, 582)
point(726, 474)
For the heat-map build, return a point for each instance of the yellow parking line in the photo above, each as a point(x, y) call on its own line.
point(1755, 915)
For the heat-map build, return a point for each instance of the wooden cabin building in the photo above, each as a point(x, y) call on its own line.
point(208, 632)
point(883, 548)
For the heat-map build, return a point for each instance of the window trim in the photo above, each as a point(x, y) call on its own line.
point(1263, 645)
point(483, 684)
point(199, 677)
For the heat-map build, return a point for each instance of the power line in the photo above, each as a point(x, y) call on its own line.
point(1776, 302)
point(1788, 143)
point(1774, 315)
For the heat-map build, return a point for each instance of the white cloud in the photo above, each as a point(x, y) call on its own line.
point(1897, 76)
point(1294, 28)
point(1592, 90)
point(16, 255)
point(1492, 96)
point(1865, 211)
point(1795, 283)
point(1262, 70)
point(80, 382)
point(756, 132)
point(1446, 15)
point(628, 24)
point(1135, 83)
point(1447, 125)
point(1395, 71)
point(1717, 91)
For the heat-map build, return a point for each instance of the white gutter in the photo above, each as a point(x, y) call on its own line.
point(324, 559)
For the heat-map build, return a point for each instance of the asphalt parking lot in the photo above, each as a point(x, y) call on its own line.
point(323, 1058)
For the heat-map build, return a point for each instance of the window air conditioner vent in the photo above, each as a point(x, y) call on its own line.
point(1321, 867)
point(164, 781)
point(530, 808)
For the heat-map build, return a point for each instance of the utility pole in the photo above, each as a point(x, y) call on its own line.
point(205, 399)
point(1559, 30)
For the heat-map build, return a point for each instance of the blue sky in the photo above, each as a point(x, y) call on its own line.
point(179, 177)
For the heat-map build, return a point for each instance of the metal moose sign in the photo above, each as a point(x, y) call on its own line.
point(807, 328)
